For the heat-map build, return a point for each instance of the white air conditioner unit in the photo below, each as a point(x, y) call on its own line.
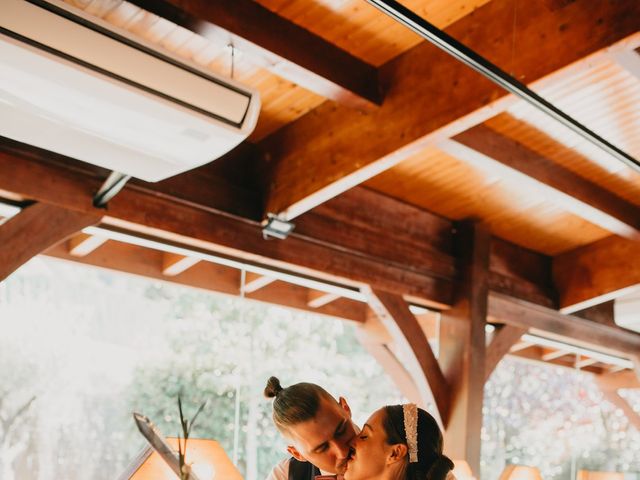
point(80, 87)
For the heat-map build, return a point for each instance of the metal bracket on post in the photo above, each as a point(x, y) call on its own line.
point(112, 185)
point(276, 227)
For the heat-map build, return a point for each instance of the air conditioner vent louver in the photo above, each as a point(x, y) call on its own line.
point(78, 86)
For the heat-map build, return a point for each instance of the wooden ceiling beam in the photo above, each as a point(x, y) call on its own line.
point(405, 248)
point(40, 175)
point(35, 229)
point(484, 146)
point(596, 273)
point(570, 328)
point(278, 45)
point(205, 275)
point(433, 96)
point(521, 273)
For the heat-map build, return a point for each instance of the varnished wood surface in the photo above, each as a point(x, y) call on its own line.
point(606, 98)
point(572, 328)
point(408, 335)
point(455, 189)
point(35, 229)
point(432, 94)
point(572, 192)
point(596, 272)
point(362, 30)
point(208, 276)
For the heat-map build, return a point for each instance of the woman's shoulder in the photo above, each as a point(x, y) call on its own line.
point(451, 476)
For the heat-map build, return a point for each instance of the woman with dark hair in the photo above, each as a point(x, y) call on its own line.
point(399, 442)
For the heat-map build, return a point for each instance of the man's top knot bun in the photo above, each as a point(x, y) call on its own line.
point(273, 388)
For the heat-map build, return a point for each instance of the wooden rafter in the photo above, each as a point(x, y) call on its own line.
point(596, 273)
point(278, 45)
point(486, 147)
point(31, 173)
point(35, 229)
point(83, 244)
point(578, 330)
point(358, 237)
point(309, 168)
point(174, 264)
point(407, 334)
point(208, 276)
point(318, 299)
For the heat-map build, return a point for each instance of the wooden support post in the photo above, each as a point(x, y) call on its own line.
point(462, 346)
point(407, 334)
point(35, 229)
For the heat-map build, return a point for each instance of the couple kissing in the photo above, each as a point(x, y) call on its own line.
point(397, 442)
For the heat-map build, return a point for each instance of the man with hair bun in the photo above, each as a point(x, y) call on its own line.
point(318, 429)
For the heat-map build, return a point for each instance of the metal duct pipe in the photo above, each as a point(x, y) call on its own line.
point(467, 56)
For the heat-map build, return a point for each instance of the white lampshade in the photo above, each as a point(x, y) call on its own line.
point(587, 475)
point(462, 471)
point(520, 472)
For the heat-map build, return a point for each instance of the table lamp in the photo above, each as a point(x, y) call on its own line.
point(462, 471)
point(587, 475)
point(207, 458)
point(520, 472)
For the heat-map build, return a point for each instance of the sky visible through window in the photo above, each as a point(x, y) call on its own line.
point(81, 348)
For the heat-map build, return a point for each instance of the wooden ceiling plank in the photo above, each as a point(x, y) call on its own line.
point(278, 45)
point(424, 104)
point(492, 150)
point(577, 330)
point(83, 244)
point(174, 264)
point(596, 273)
point(35, 229)
point(407, 334)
